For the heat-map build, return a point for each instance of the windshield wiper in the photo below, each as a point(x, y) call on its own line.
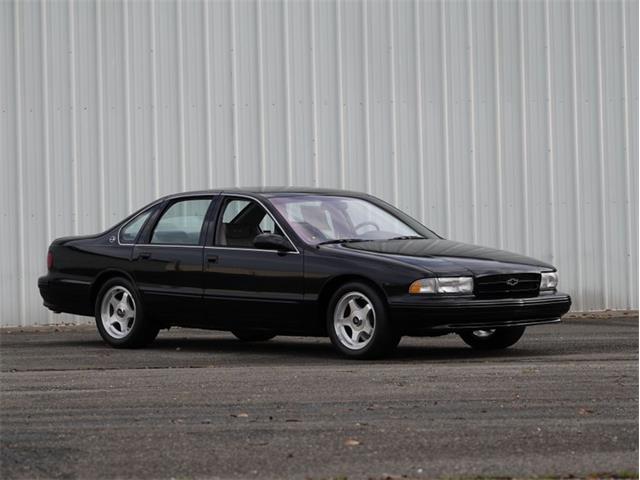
point(353, 240)
point(406, 237)
point(342, 240)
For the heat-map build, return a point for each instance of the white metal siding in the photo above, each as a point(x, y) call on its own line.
point(511, 124)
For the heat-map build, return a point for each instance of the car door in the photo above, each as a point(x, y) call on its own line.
point(167, 263)
point(244, 285)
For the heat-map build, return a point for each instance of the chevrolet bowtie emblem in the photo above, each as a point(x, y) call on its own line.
point(512, 282)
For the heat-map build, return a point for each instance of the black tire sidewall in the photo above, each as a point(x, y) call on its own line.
point(384, 338)
point(141, 333)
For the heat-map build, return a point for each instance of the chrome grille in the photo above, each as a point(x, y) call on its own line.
point(513, 285)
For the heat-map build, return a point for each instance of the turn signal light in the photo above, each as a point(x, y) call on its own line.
point(49, 260)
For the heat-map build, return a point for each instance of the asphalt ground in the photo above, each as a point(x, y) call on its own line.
point(562, 402)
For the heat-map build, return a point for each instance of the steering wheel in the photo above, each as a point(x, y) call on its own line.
point(364, 224)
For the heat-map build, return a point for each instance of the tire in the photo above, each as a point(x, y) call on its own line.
point(365, 334)
point(494, 339)
point(253, 335)
point(120, 316)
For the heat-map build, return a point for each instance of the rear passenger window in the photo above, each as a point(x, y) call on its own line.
point(129, 232)
point(182, 223)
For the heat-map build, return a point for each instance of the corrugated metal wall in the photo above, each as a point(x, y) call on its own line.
point(511, 124)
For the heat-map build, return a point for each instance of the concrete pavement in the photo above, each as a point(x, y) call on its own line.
point(197, 404)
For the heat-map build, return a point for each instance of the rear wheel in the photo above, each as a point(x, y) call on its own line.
point(120, 317)
point(358, 323)
point(253, 335)
point(492, 339)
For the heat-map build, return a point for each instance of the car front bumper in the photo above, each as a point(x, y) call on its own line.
point(424, 315)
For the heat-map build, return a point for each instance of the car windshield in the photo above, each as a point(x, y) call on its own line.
point(331, 219)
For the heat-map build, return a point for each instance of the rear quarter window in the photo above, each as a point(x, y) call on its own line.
point(130, 231)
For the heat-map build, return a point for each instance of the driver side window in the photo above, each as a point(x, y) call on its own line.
point(241, 221)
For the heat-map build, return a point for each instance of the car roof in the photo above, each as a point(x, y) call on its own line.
point(271, 192)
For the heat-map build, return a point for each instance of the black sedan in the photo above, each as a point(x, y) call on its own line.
point(266, 262)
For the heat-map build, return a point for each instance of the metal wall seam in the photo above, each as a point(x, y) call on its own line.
point(207, 91)
point(45, 126)
point(498, 137)
point(314, 93)
point(181, 131)
point(263, 161)
point(342, 172)
point(603, 195)
point(74, 122)
point(523, 109)
point(73, 115)
point(287, 83)
point(394, 115)
point(101, 188)
point(445, 117)
point(418, 59)
point(154, 100)
point(627, 158)
point(234, 95)
point(365, 78)
point(551, 153)
point(127, 102)
point(472, 126)
point(576, 146)
point(19, 170)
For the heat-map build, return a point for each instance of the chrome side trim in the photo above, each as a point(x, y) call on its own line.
point(72, 281)
point(216, 247)
point(164, 245)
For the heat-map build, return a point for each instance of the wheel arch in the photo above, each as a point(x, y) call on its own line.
point(103, 277)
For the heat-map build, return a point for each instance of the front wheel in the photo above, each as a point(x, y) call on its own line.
point(358, 323)
point(120, 317)
point(492, 339)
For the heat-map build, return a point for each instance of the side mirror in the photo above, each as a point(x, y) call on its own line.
point(272, 241)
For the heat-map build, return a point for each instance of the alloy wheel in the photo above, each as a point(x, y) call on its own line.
point(118, 312)
point(354, 320)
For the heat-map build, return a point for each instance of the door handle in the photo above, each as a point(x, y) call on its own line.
point(212, 258)
point(144, 255)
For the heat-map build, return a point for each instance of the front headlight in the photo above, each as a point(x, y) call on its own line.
point(442, 285)
point(549, 280)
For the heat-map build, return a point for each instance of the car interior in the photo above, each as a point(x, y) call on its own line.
point(181, 224)
point(241, 228)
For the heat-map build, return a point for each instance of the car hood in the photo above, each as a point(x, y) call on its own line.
point(446, 257)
